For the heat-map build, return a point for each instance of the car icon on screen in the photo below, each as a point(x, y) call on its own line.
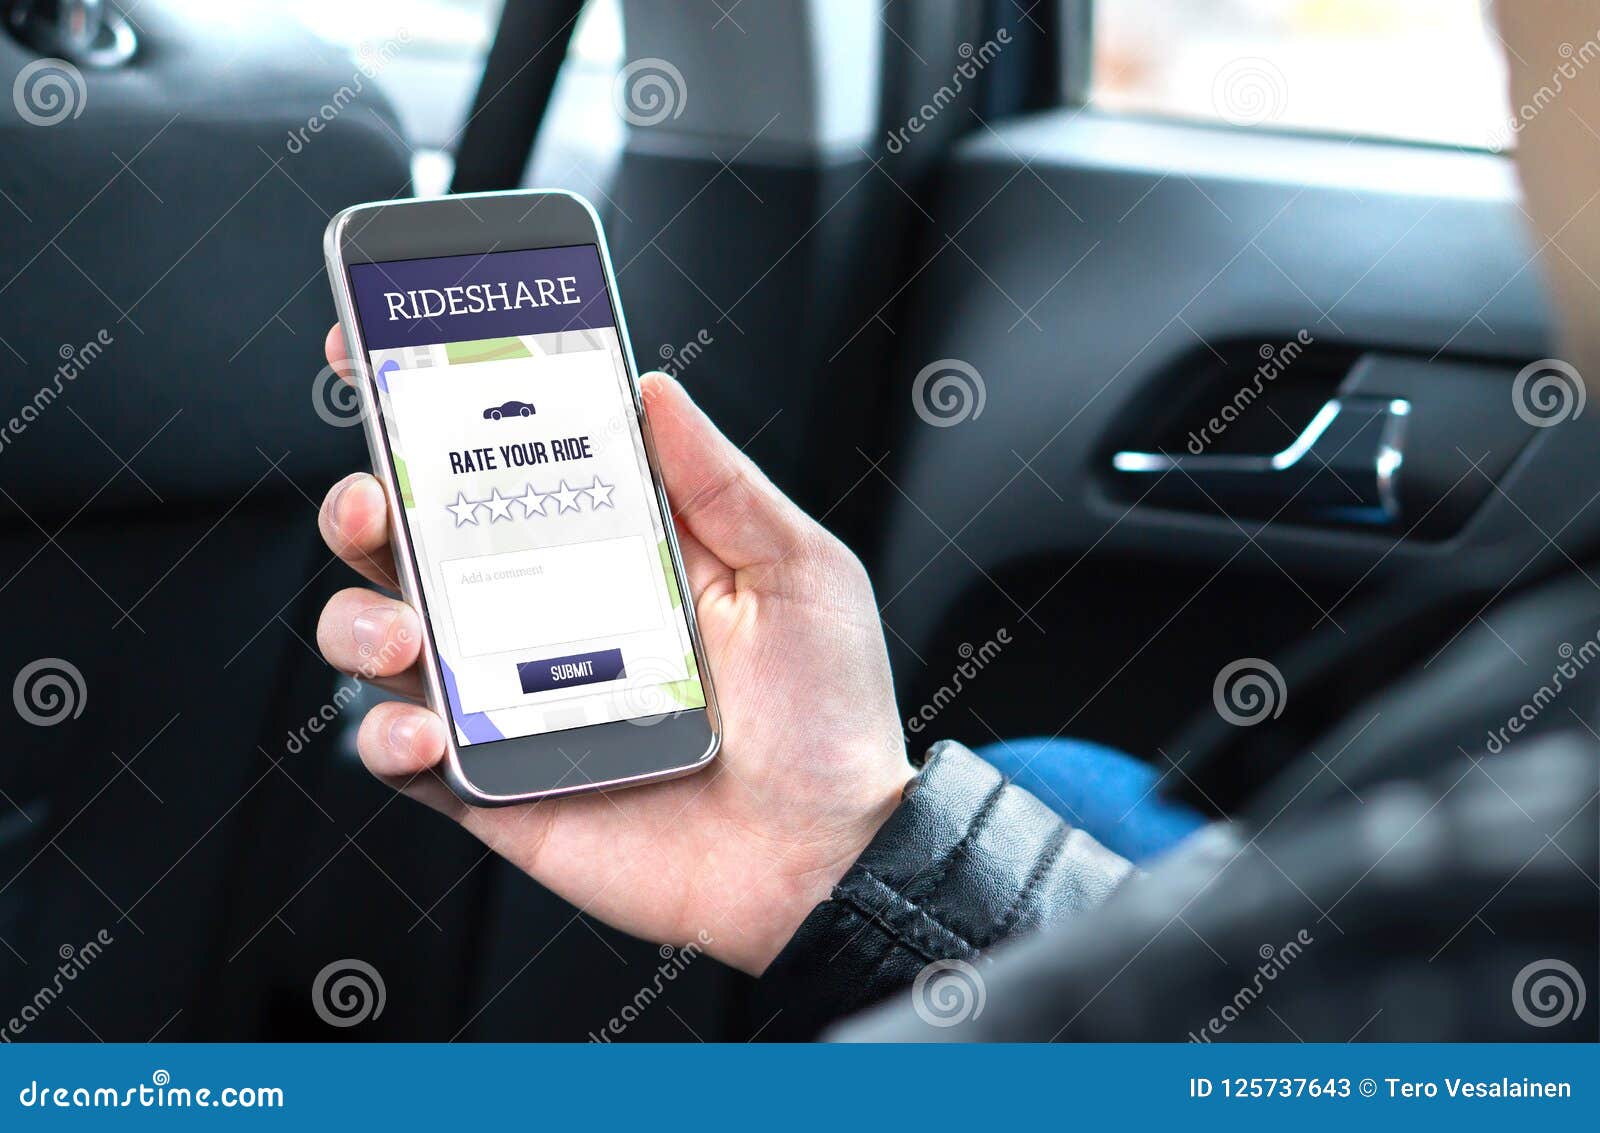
point(509, 409)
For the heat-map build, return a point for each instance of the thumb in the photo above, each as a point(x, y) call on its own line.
point(715, 491)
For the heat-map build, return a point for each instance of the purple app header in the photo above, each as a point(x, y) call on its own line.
point(497, 295)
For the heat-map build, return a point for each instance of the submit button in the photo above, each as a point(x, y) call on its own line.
point(565, 672)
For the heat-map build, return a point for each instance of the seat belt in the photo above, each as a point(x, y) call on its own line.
point(519, 75)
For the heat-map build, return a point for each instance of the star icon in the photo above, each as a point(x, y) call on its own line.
point(567, 498)
point(600, 494)
point(532, 501)
point(499, 506)
point(465, 510)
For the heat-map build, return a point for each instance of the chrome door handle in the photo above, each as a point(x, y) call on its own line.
point(1344, 467)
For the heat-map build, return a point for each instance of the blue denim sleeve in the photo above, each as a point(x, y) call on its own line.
point(1107, 793)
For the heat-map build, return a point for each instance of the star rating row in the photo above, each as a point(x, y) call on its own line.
point(532, 501)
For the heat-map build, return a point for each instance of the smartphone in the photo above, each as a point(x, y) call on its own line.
point(531, 531)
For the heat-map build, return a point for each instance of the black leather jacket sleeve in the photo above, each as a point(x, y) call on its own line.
point(965, 861)
point(1456, 906)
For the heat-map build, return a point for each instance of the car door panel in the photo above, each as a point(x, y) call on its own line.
point(1105, 269)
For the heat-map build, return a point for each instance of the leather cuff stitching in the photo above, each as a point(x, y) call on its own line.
point(911, 926)
point(915, 892)
point(1041, 869)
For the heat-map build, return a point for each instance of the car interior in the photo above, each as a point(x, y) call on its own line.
point(969, 279)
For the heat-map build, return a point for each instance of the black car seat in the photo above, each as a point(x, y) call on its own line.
point(162, 303)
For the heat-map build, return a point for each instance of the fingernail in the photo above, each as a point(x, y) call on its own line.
point(338, 495)
point(403, 734)
point(371, 628)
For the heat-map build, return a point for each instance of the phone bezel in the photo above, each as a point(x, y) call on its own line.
point(597, 756)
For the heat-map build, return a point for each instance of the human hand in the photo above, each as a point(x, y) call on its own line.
point(811, 762)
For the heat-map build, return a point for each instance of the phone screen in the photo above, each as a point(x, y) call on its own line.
point(538, 537)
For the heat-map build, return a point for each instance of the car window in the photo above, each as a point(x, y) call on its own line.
point(428, 55)
point(1422, 70)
